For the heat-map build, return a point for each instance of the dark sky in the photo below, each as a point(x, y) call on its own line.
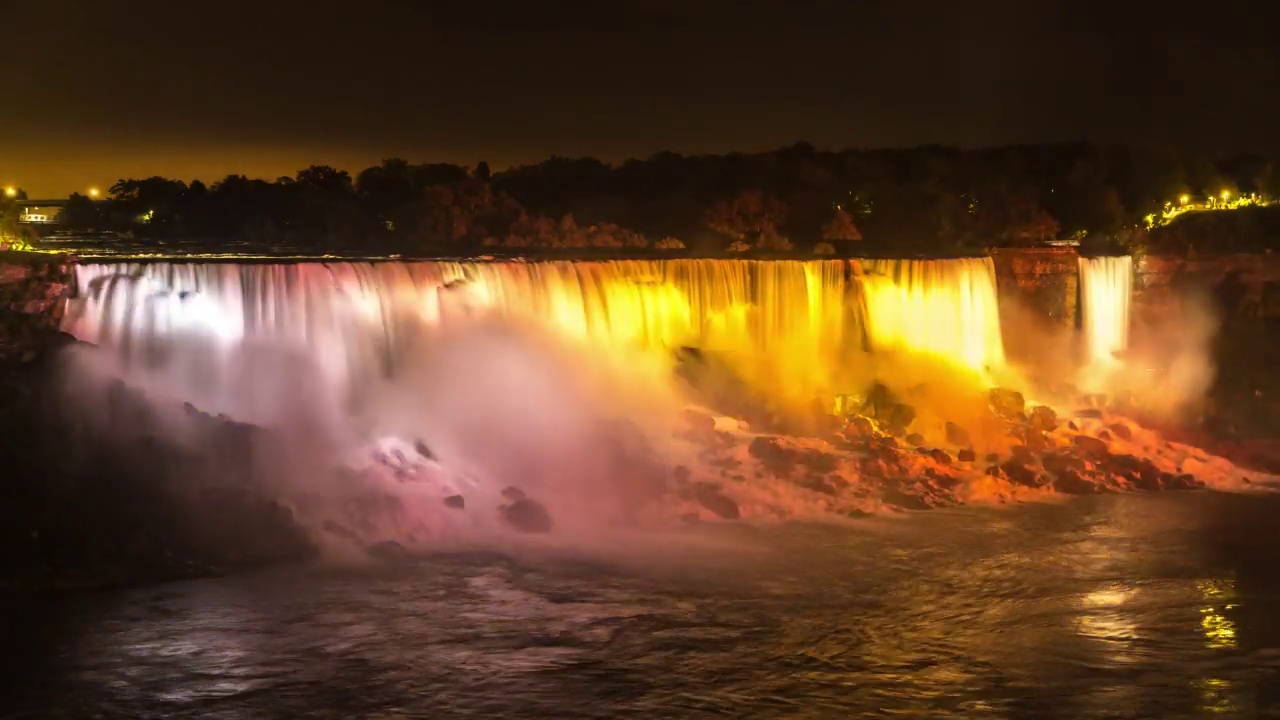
point(104, 89)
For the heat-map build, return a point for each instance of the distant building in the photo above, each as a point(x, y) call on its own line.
point(41, 212)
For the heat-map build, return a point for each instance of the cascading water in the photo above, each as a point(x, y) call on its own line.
point(427, 368)
point(788, 320)
point(1105, 295)
point(943, 308)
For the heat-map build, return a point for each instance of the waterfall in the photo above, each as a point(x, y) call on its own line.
point(944, 308)
point(791, 327)
point(1105, 294)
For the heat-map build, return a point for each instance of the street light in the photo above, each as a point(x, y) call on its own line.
point(11, 192)
point(1226, 194)
point(1184, 199)
point(93, 192)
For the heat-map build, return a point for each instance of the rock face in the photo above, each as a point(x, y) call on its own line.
point(527, 515)
point(33, 290)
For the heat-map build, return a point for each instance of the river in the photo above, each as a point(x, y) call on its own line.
point(1119, 606)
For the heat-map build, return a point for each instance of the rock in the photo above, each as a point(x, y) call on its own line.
point(903, 501)
point(1022, 454)
point(992, 457)
point(1007, 403)
point(681, 474)
point(1090, 446)
point(388, 550)
point(699, 422)
point(1069, 482)
point(776, 459)
point(717, 502)
point(900, 418)
point(1121, 431)
point(818, 461)
point(1036, 441)
point(957, 435)
point(513, 493)
point(1092, 413)
point(1073, 427)
point(860, 427)
point(527, 515)
point(455, 502)
point(341, 531)
point(818, 484)
point(1020, 474)
point(423, 450)
point(914, 439)
point(1043, 419)
point(1058, 463)
point(940, 456)
point(1104, 436)
point(874, 467)
point(1184, 481)
point(856, 513)
point(966, 455)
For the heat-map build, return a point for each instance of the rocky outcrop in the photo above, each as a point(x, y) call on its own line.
point(33, 290)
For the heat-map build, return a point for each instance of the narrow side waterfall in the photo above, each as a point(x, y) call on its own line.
point(1106, 288)
point(944, 308)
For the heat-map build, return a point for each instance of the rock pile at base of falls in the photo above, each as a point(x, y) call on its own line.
point(88, 507)
point(876, 459)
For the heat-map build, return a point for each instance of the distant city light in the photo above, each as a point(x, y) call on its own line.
point(11, 192)
point(1226, 194)
point(93, 192)
point(1184, 199)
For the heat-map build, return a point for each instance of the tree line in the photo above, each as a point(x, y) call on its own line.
point(793, 200)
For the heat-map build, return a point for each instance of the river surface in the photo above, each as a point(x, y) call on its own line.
point(1158, 606)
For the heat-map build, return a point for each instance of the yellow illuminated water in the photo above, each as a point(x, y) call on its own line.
point(943, 308)
point(1105, 295)
point(796, 329)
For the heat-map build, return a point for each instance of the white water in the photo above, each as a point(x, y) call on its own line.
point(1106, 289)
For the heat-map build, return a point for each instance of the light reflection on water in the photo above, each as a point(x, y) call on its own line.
point(1151, 607)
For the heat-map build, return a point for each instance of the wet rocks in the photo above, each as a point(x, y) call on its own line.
point(423, 450)
point(1020, 474)
point(455, 502)
point(527, 515)
point(966, 455)
point(956, 435)
point(772, 455)
point(914, 440)
point(903, 501)
point(1088, 413)
point(1007, 403)
point(719, 504)
point(1090, 446)
point(1043, 419)
point(940, 456)
point(513, 493)
point(860, 427)
point(388, 550)
point(1122, 431)
point(698, 422)
point(1070, 482)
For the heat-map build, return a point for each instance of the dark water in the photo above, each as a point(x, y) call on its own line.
point(1161, 606)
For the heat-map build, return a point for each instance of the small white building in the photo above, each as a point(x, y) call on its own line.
point(40, 213)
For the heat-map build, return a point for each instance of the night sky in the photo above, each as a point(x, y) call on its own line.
point(101, 90)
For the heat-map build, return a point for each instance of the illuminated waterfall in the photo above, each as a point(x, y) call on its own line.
point(790, 327)
point(355, 316)
point(943, 308)
point(1105, 294)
